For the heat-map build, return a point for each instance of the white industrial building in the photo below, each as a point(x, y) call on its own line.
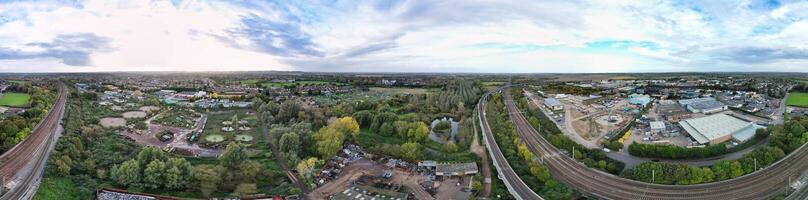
point(553, 104)
point(719, 128)
point(657, 126)
point(703, 105)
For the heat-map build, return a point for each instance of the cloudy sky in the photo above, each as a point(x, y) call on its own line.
point(405, 36)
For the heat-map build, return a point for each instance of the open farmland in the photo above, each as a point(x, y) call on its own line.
point(14, 99)
point(798, 99)
point(300, 83)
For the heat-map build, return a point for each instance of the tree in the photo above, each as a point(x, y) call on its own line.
point(288, 110)
point(329, 139)
point(127, 173)
point(153, 175)
point(387, 129)
point(289, 142)
point(233, 155)
point(385, 117)
point(364, 118)
point(149, 154)
point(246, 188)
point(410, 151)
point(450, 147)
point(248, 171)
point(418, 134)
point(305, 167)
point(346, 125)
point(444, 126)
point(207, 178)
point(177, 173)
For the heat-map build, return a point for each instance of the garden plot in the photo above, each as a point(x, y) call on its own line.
point(112, 122)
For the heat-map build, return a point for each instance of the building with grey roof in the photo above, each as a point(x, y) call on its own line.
point(719, 128)
point(553, 104)
point(706, 107)
point(456, 169)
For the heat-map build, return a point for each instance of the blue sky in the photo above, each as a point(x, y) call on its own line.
point(565, 36)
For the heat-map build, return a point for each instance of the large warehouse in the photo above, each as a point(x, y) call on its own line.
point(718, 128)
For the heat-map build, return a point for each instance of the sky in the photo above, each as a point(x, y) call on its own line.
point(559, 36)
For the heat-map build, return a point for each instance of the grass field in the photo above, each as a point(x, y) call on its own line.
point(400, 90)
point(798, 99)
point(301, 83)
point(14, 99)
point(56, 188)
point(249, 81)
point(493, 83)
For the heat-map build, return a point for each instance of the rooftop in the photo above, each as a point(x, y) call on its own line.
point(456, 168)
point(706, 104)
point(552, 102)
point(695, 100)
point(708, 128)
point(657, 125)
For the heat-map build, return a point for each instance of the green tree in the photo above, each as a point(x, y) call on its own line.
point(246, 189)
point(233, 155)
point(418, 134)
point(177, 173)
point(410, 151)
point(387, 129)
point(450, 147)
point(127, 173)
point(305, 167)
point(154, 174)
point(207, 178)
point(364, 118)
point(290, 142)
point(149, 154)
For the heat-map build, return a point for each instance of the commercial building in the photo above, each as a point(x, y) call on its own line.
point(719, 128)
point(657, 126)
point(553, 104)
point(672, 111)
point(450, 169)
point(706, 107)
point(639, 99)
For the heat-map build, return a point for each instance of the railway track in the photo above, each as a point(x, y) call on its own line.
point(512, 181)
point(21, 167)
point(762, 184)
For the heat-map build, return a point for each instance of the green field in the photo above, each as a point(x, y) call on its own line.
point(300, 83)
point(798, 99)
point(56, 188)
point(249, 81)
point(14, 99)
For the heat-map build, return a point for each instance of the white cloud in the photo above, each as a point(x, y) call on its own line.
point(480, 36)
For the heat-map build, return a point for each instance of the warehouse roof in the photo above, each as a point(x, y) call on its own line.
point(456, 168)
point(552, 102)
point(695, 100)
point(711, 127)
point(705, 105)
point(655, 125)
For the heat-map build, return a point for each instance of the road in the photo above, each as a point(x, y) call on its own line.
point(762, 184)
point(22, 166)
point(515, 185)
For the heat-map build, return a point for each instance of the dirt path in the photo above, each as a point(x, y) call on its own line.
point(478, 149)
